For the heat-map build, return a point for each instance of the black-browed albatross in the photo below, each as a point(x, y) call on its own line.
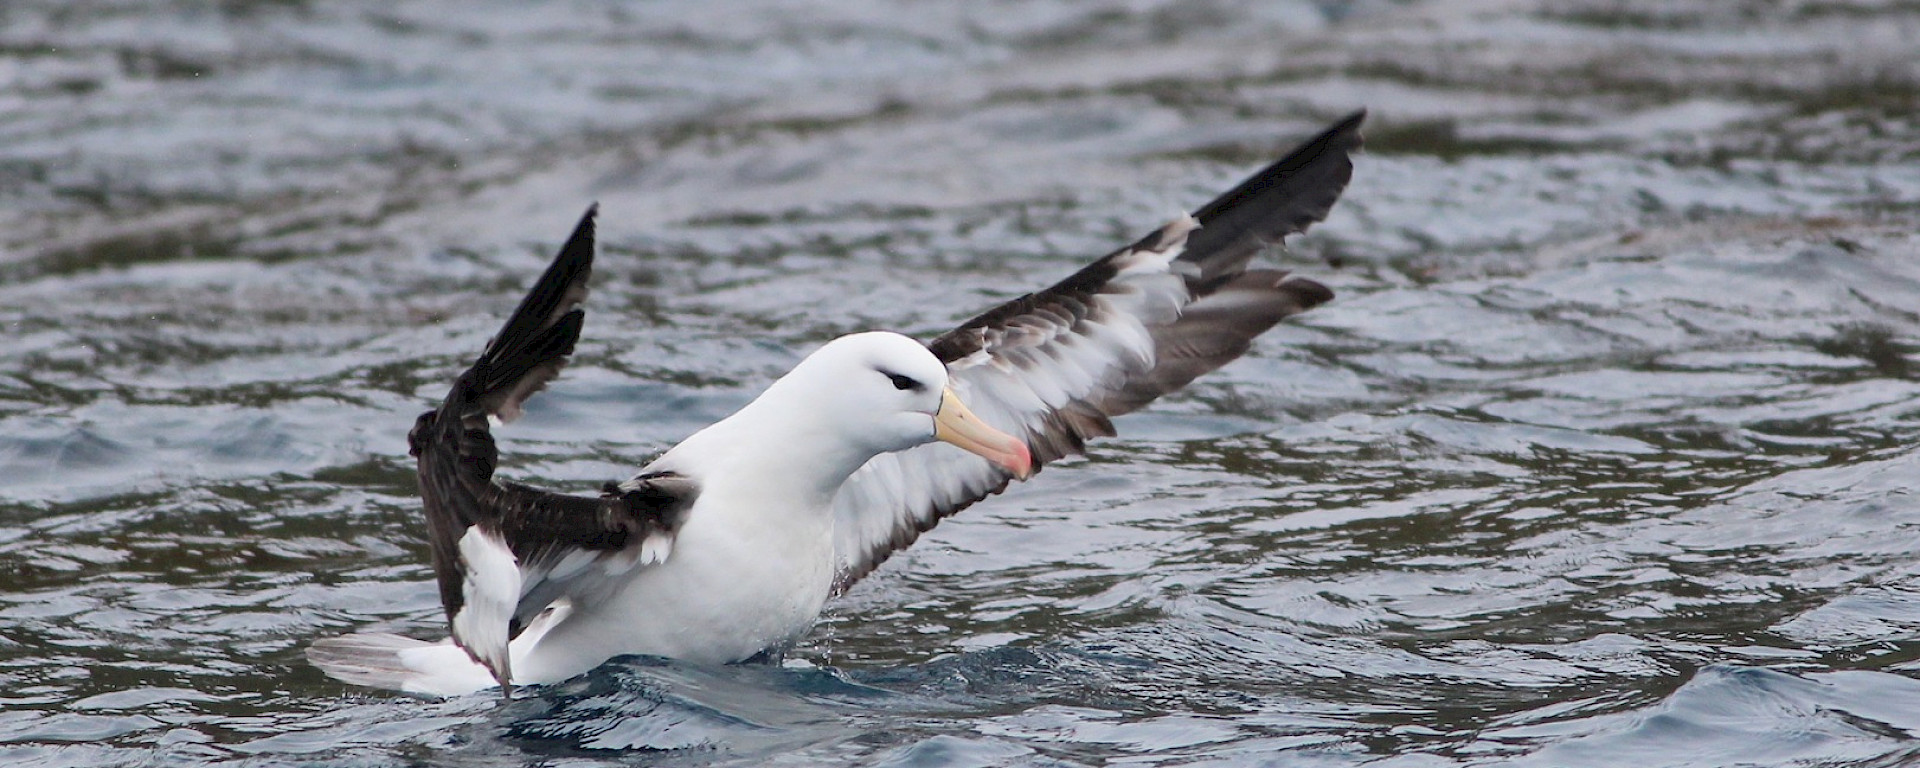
point(730, 543)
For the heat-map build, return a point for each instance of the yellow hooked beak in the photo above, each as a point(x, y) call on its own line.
point(957, 425)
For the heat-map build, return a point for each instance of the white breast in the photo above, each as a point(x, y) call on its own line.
point(746, 573)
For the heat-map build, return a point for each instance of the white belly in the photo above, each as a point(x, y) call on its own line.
point(735, 584)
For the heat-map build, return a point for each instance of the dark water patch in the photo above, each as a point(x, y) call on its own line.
point(1442, 139)
point(125, 250)
point(1878, 345)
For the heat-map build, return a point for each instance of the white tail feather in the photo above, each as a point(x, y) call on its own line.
point(491, 589)
point(398, 663)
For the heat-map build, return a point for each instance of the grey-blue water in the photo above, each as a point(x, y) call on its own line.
point(1605, 455)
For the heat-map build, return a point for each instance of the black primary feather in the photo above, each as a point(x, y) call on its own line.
point(456, 457)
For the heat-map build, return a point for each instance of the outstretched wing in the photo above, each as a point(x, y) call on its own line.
point(502, 551)
point(1057, 365)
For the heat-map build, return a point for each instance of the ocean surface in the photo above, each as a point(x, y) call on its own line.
point(1606, 454)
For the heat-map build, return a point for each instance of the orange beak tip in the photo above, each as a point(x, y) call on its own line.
point(1022, 464)
point(957, 425)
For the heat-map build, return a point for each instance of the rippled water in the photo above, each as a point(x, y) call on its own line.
point(1603, 456)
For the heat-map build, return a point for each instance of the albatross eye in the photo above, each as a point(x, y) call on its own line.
point(902, 382)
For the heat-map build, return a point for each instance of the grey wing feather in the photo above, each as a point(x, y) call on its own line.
point(1057, 365)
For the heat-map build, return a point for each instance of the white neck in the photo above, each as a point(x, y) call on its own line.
point(814, 427)
point(775, 445)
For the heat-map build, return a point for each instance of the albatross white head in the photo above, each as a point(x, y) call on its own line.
point(857, 397)
point(889, 393)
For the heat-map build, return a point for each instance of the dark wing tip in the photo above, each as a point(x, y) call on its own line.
point(561, 288)
point(1309, 293)
point(1331, 148)
point(580, 243)
point(534, 343)
point(1286, 197)
point(1350, 125)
